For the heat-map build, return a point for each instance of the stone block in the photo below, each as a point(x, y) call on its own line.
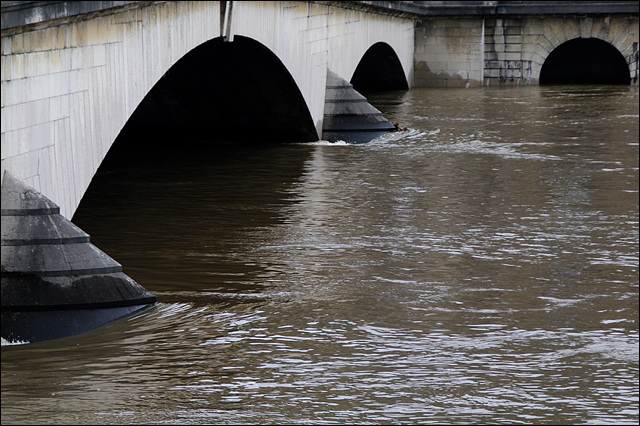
point(551, 33)
point(99, 55)
point(41, 40)
point(33, 88)
point(112, 33)
point(6, 46)
point(9, 147)
point(41, 229)
point(78, 34)
point(572, 29)
point(59, 60)
point(15, 115)
point(75, 54)
point(599, 28)
point(36, 112)
point(42, 135)
point(492, 73)
point(513, 39)
point(619, 30)
point(490, 56)
point(511, 49)
point(45, 172)
point(5, 66)
point(586, 24)
point(30, 64)
point(41, 63)
point(58, 107)
point(533, 26)
point(17, 43)
point(10, 92)
point(513, 56)
point(59, 37)
point(513, 25)
point(538, 57)
point(536, 42)
point(441, 46)
point(93, 31)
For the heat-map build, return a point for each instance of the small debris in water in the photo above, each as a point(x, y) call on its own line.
point(402, 129)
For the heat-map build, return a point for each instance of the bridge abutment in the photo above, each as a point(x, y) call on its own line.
point(465, 51)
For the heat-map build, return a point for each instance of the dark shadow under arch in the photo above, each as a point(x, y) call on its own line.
point(585, 61)
point(379, 69)
point(220, 91)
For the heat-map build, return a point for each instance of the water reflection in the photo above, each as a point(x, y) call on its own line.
point(481, 267)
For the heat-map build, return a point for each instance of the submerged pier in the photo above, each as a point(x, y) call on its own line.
point(55, 283)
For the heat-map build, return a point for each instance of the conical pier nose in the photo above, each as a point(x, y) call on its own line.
point(55, 283)
point(348, 116)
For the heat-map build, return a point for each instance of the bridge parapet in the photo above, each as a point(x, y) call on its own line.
point(16, 14)
point(494, 8)
point(21, 13)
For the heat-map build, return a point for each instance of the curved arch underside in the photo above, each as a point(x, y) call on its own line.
point(585, 61)
point(224, 91)
point(379, 69)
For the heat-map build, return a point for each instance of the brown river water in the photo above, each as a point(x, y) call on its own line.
point(480, 267)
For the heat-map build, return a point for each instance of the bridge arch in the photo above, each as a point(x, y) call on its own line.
point(71, 85)
point(379, 69)
point(222, 91)
point(585, 61)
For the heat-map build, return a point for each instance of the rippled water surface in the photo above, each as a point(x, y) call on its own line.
point(480, 267)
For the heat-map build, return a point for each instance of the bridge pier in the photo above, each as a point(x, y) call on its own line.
point(348, 116)
point(55, 283)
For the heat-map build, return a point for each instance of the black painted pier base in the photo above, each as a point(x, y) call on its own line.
point(55, 283)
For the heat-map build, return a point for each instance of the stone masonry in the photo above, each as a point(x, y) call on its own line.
point(488, 51)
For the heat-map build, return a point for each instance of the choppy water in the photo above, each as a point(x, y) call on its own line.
point(481, 267)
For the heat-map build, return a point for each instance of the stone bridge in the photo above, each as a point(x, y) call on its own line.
point(75, 75)
point(72, 79)
point(490, 43)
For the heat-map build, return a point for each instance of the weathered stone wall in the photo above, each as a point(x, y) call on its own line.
point(476, 51)
point(448, 52)
point(69, 87)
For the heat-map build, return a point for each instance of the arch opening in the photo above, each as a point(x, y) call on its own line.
point(220, 91)
point(378, 70)
point(585, 61)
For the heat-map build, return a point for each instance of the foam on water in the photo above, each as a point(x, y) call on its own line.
point(4, 342)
